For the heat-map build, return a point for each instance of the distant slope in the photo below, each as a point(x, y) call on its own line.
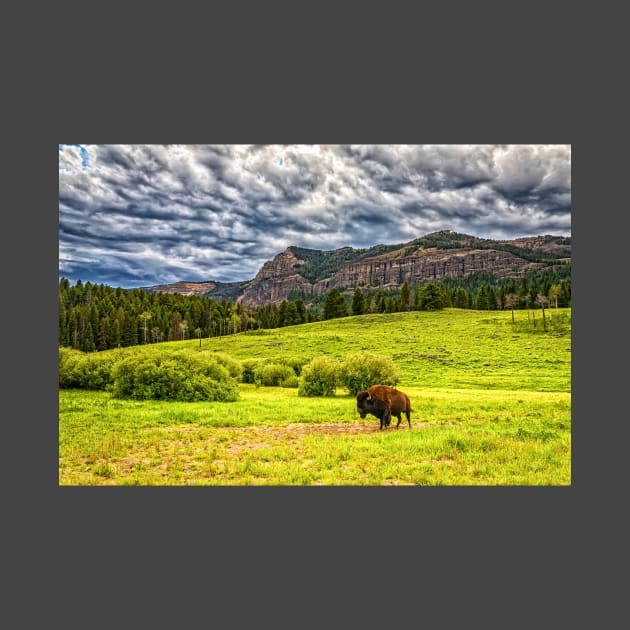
point(229, 291)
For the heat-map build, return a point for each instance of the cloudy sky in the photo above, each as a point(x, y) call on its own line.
point(137, 215)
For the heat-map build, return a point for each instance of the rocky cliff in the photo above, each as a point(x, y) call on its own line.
point(276, 279)
point(279, 277)
point(433, 264)
point(306, 272)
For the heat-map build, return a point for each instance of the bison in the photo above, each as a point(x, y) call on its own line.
point(384, 402)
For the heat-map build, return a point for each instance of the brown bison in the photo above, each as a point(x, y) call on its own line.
point(384, 402)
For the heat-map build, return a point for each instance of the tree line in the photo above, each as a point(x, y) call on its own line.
point(98, 317)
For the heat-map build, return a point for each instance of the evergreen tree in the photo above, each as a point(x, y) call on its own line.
point(291, 314)
point(88, 344)
point(380, 305)
point(330, 304)
point(445, 295)
point(430, 297)
point(486, 298)
point(301, 312)
point(405, 297)
point(64, 335)
point(461, 298)
point(367, 306)
point(115, 334)
point(282, 313)
point(103, 334)
point(335, 304)
point(358, 302)
point(129, 331)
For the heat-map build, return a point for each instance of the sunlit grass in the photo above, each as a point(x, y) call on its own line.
point(490, 407)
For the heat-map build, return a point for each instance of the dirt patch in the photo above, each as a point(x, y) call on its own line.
point(346, 428)
point(331, 428)
point(299, 429)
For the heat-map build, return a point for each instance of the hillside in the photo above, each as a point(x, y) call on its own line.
point(229, 291)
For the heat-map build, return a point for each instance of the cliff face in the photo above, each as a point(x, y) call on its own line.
point(279, 277)
point(307, 272)
point(428, 265)
point(276, 279)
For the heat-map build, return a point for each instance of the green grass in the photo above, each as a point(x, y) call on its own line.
point(492, 406)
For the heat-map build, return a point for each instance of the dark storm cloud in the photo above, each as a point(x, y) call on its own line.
point(146, 214)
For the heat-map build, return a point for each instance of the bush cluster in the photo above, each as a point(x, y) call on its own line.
point(276, 375)
point(86, 370)
point(234, 367)
point(182, 377)
point(148, 374)
point(249, 370)
point(210, 376)
point(283, 372)
point(358, 371)
point(362, 370)
point(319, 377)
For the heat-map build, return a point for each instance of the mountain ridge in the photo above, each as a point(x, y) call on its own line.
point(311, 272)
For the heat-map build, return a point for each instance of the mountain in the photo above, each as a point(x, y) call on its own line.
point(305, 272)
point(217, 290)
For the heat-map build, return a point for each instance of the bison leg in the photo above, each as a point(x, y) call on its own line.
point(387, 417)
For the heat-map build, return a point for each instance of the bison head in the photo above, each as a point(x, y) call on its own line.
point(364, 403)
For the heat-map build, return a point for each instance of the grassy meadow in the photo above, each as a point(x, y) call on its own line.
point(491, 405)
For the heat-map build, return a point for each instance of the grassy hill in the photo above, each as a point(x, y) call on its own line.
point(452, 348)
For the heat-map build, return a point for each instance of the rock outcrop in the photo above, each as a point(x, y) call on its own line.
point(278, 278)
point(299, 272)
point(432, 264)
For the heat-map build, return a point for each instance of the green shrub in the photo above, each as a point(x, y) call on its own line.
point(233, 366)
point(362, 370)
point(86, 370)
point(69, 361)
point(296, 363)
point(274, 375)
point(319, 377)
point(183, 377)
point(249, 370)
point(290, 381)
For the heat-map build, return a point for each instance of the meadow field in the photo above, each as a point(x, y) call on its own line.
point(491, 403)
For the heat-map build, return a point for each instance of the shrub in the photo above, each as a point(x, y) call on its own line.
point(296, 363)
point(362, 370)
point(290, 381)
point(274, 375)
point(234, 367)
point(181, 377)
point(85, 370)
point(319, 377)
point(69, 361)
point(249, 370)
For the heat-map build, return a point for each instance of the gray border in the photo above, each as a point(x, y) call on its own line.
point(290, 555)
